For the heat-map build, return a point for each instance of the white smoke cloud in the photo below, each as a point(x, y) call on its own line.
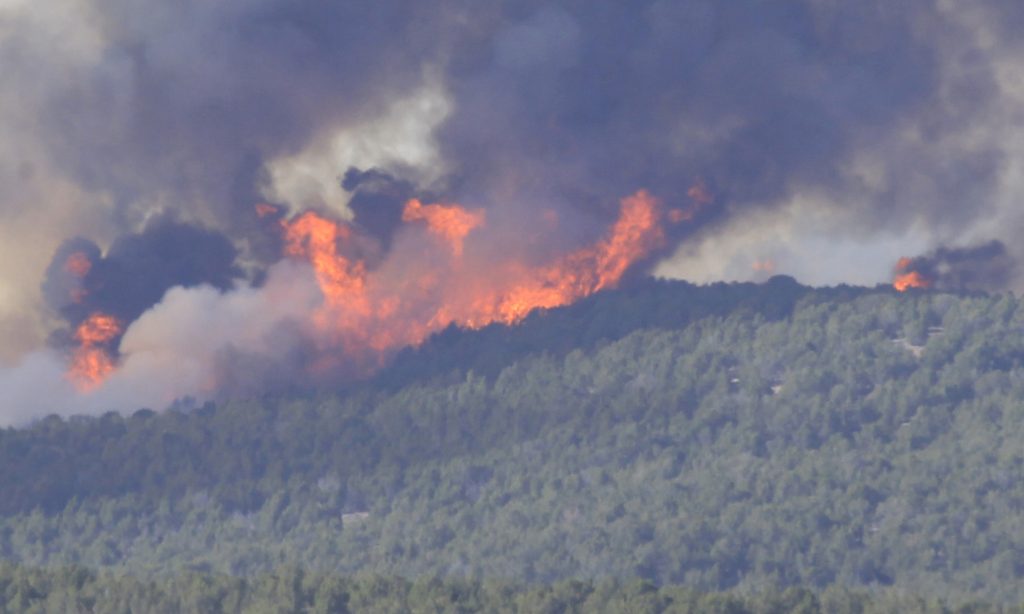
point(172, 351)
point(400, 140)
point(815, 242)
point(967, 140)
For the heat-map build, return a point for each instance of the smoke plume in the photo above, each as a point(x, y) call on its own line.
point(982, 267)
point(136, 270)
point(156, 155)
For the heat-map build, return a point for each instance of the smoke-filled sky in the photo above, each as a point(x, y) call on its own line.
point(824, 139)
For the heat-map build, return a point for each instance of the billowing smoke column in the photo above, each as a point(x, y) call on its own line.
point(165, 313)
point(461, 162)
point(136, 270)
point(99, 294)
point(982, 267)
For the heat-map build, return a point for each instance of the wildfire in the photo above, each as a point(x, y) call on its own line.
point(347, 308)
point(913, 279)
point(78, 264)
point(368, 313)
point(578, 274)
point(700, 197)
point(371, 309)
point(91, 362)
point(450, 222)
point(315, 237)
point(906, 278)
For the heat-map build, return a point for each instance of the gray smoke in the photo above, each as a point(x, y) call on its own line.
point(818, 128)
point(572, 103)
point(982, 267)
point(377, 201)
point(582, 100)
point(136, 271)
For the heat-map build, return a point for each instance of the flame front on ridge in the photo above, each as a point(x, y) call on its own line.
point(367, 314)
point(373, 304)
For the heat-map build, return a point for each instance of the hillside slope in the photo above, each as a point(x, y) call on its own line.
point(778, 436)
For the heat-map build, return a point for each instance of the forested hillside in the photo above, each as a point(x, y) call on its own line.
point(290, 590)
point(729, 437)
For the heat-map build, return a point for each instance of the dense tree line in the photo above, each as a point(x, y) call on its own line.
point(230, 449)
point(288, 590)
point(825, 438)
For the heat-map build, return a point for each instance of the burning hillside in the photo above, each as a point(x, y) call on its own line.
point(436, 275)
point(276, 191)
point(906, 277)
point(982, 267)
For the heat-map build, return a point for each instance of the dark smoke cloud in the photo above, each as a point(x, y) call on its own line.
point(553, 103)
point(583, 100)
point(982, 267)
point(571, 102)
point(137, 270)
point(890, 113)
point(188, 101)
point(377, 201)
point(65, 286)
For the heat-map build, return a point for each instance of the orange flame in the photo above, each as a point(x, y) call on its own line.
point(342, 281)
point(913, 279)
point(905, 279)
point(315, 237)
point(700, 197)
point(764, 266)
point(450, 222)
point(91, 363)
point(583, 272)
point(369, 313)
point(78, 264)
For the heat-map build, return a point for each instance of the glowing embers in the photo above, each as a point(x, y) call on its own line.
point(78, 265)
point(765, 266)
point(700, 197)
point(92, 362)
